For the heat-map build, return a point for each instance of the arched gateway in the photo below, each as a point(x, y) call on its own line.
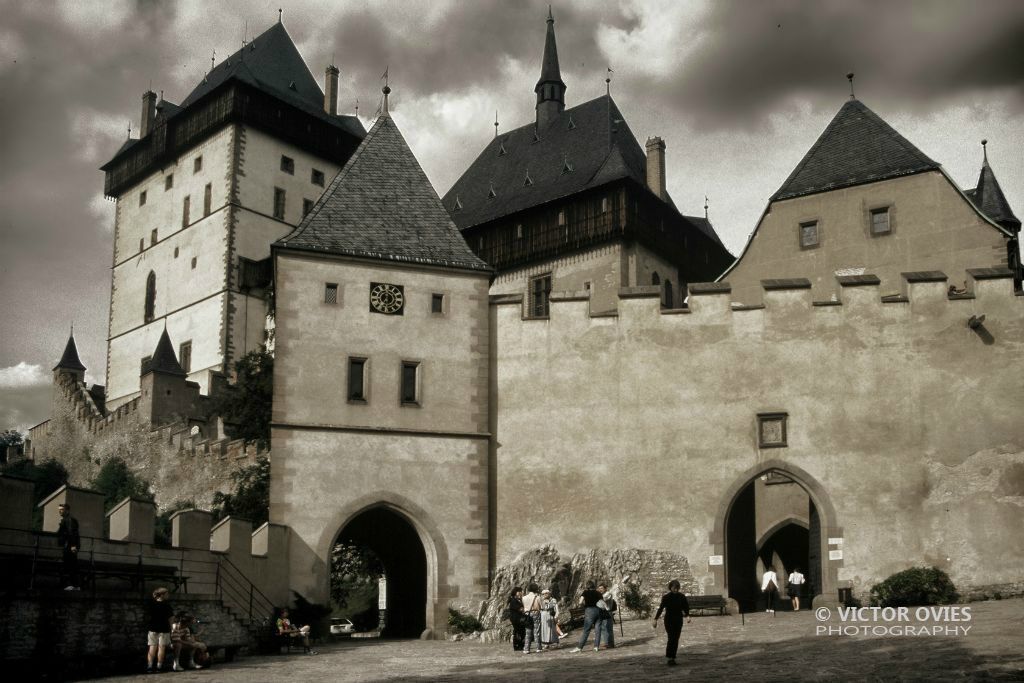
point(775, 514)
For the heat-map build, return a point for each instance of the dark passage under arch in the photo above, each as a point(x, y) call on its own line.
point(394, 540)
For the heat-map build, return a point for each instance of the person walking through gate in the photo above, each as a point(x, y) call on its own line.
point(67, 537)
point(675, 606)
point(795, 588)
point(770, 586)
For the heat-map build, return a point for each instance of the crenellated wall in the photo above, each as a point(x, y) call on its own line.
point(184, 455)
point(903, 423)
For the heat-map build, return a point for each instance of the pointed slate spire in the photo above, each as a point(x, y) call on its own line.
point(857, 147)
point(70, 361)
point(164, 359)
point(989, 197)
point(550, 88)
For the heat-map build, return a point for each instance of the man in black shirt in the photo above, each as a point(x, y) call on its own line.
point(675, 606)
point(67, 537)
point(589, 599)
point(158, 629)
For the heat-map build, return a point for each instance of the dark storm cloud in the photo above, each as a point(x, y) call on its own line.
point(752, 58)
point(468, 46)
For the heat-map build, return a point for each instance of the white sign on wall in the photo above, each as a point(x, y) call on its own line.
point(382, 593)
point(835, 554)
point(714, 560)
point(835, 541)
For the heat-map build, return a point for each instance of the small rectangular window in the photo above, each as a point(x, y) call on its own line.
point(317, 177)
point(307, 206)
point(437, 303)
point(519, 231)
point(142, 198)
point(540, 296)
point(809, 234)
point(278, 203)
point(193, 263)
point(356, 379)
point(330, 293)
point(561, 218)
point(207, 198)
point(168, 182)
point(197, 165)
point(142, 243)
point(605, 205)
point(880, 221)
point(184, 211)
point(185, 356)
point(586, 285)
point(288, 165)
point(152, 237)
point(410, 383)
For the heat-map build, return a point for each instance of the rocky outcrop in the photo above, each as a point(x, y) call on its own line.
point(566, 577)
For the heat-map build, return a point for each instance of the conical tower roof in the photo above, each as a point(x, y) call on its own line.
point(857, 147)
point(382, 206)
point(549, 70)
point(69, 360)
point(990, 200)
point(164, 359)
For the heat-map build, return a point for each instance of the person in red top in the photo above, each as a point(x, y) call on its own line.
point(675, 606)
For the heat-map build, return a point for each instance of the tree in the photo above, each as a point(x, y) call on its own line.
point(251, 499)
point(117, 482)
point(9, 437)
point(247, 403)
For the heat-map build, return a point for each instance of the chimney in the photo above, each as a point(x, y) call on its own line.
point(331, 90)
point(656, 166)
point(148, 113)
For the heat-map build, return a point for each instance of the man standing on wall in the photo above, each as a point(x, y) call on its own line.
point(67, 537)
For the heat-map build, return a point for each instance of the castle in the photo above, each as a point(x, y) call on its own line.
point(553, 355)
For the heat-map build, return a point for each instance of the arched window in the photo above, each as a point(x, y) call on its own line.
point(655, 278)
point(150, 297)
point(668, 294)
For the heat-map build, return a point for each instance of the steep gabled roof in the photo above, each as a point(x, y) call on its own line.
point(382, 206)
point(990, 200)
point(857, 147)
point(164, 359)
point(704, 225)
point(579, 137)
point(271, 63)
point(69, 359)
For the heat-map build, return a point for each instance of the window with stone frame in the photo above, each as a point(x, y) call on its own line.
point(880, 221)
point(410, 383)
point(357, 379)
point(185, 356)
point(288, 165)
point(539, 296)
point(331, 293)
point(279, 198)
point(771, 430)
point(808, 234)
point(437, 303)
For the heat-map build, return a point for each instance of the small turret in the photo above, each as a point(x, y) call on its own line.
point(550, 88)
point(69, 362)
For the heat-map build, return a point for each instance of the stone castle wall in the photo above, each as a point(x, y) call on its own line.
point(638, 430)
point(179, 465)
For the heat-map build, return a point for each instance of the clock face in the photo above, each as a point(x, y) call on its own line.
point(386, 298)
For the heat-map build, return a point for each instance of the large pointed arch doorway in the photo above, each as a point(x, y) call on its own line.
point(775, 516)
point(388, 549)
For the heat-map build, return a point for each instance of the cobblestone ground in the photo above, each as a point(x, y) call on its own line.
point(785, 647)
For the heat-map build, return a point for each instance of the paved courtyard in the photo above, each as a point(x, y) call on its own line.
point(781, 648)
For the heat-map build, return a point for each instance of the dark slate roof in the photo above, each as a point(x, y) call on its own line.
point(585, 145)
point(272, 63)
point(164, 359)
point(382, 206)
point(69, 360)
point(549, 71)
point(704, 225)
point(990, 200)
point(857, 147)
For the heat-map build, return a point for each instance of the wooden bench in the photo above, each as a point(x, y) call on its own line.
point(704, 603)
point(576, 616)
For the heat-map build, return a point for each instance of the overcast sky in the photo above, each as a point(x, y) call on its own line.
point(738, 90)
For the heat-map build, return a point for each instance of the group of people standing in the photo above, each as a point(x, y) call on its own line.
point(534, 618)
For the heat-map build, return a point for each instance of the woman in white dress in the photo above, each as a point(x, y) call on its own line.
point(549, 631)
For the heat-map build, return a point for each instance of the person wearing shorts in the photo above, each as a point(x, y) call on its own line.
point(158, 627)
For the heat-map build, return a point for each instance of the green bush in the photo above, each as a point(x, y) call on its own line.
point(636, 601)
point(915, 586)
point(463, 623)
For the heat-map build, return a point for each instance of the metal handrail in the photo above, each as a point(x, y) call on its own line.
point(232, 583)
